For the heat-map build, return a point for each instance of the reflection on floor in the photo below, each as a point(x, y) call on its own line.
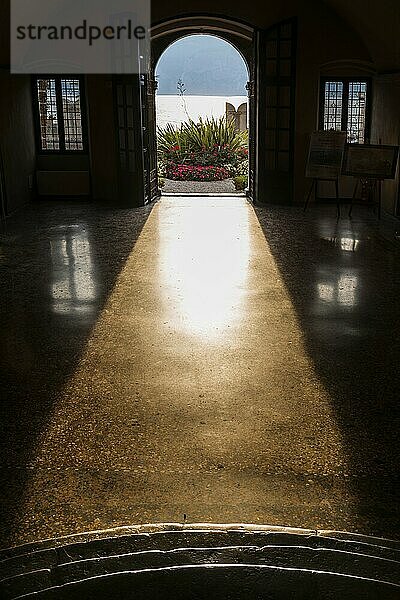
point(200, 358)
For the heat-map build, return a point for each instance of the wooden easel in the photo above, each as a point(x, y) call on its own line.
point(314, 188)
point(373, 172)
point(325, 160)
point(375, 187)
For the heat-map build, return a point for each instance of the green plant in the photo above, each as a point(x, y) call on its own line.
point(202, 136)
point(208, 143)
point(171, 139)
point(240, 182)
point(161, 182)
point(209, 133)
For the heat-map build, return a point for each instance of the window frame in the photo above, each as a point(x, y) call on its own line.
point(60, 116)
point(345, 103)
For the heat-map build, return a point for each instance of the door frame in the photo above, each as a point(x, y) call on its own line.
point(266, 184)
point(237, 33)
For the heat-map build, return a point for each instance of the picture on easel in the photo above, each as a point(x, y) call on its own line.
point(325, 160)
point(371, 164)
point(325, 156)
point(368, 161)
point(330, 157)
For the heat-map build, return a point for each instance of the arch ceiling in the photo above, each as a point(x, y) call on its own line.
point(378, 24)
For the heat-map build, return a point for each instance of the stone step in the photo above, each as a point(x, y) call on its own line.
point(220, 582)
point(91, 545)
point(34, 567)
point(295, 557)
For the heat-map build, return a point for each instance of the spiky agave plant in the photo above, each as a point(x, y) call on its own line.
point(209, 142)
point(211, 132)
point(172, 137)
point(204, 135)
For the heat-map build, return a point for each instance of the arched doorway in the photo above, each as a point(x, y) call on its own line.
point(202, 115)
point(271, 58)
point(240, 35)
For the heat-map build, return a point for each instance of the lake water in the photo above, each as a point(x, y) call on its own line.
point(171, 109)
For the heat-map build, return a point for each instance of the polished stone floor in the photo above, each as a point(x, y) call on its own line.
point(198, 360)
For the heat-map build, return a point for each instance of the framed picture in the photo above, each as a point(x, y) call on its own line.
point(325, 155)
point(370, 161)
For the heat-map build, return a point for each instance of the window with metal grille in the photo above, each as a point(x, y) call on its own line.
point(344, 106)
point(61, 124)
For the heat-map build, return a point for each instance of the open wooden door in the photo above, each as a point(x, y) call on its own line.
point(129, 139)
point(148, 108)
point(252, 94)
point(274, 113)
point(135, 119)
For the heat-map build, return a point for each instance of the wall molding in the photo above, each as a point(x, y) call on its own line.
point(348, 67)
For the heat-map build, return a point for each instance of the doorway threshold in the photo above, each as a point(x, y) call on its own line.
point(202, 195)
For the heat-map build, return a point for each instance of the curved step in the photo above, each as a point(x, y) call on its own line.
point(125, 552)
point(219, 582)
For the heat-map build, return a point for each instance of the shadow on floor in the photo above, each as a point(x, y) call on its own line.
point(58, 263)
point(344, 284)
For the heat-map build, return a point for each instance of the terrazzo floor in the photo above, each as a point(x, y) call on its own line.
point(207, 362)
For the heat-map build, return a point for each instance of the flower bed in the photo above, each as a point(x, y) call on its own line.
point(179, 172)
point(210, 150)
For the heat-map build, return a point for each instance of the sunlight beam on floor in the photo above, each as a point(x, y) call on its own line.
point(195, 393)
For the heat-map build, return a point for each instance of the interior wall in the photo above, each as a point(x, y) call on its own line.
point(17, 141)
point(386, 128)
point(102, 141)
point(4, 33)
point(25, 173)
point(378, 22)
point(322, 37)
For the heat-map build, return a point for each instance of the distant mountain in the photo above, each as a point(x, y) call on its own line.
point(207, 66)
